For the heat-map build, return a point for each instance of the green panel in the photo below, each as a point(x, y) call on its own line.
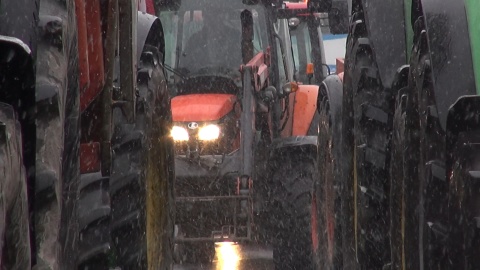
point(408, 28)
point(473, 16)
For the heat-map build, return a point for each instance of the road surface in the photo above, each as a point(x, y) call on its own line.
point(233, 256)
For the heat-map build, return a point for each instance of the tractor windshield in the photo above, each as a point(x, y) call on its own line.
point(204, 39)
point(302, 50)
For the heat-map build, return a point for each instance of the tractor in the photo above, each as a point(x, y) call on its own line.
point(307, 42)
point(85, 154)
point(316, 37)
point(398, 142)
point(236, 110)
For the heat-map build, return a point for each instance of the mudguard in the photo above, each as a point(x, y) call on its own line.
point(304, 109)
point(385, 23)
point(18, 20)
point(149, 32)
point(462, 116)
point(17, 84)
point(18, 45)
point(333, 86)
point(19, 60)
point(450, 53)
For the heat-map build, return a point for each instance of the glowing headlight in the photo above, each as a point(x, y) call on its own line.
point(179, 133)
point(208, 133)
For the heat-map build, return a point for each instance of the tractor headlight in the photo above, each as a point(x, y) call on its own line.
point(209, 133)
point(179, 133)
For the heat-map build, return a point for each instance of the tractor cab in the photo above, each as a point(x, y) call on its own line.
point(205, 46)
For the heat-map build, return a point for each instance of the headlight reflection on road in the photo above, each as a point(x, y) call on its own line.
point(228, 256)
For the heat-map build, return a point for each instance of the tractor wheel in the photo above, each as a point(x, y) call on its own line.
point(366, 138)
point(425, 205)
point(293, 178)
point(93, 212)
point(14, 216)
point(326, 223)
point(397, 185)
point(57, 147)
point(464, 203)
point(142, 178)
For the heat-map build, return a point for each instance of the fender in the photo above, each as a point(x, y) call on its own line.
point(332, 86)
point(19, 20)
point(21, 66)
point(304, 109)
point(462, 116)
point(390, 15)
point(150, 32)
point(450, 54)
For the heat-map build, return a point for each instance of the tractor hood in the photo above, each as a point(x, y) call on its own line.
point(201, 107)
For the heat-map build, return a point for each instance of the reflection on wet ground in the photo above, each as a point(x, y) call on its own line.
point(234, 256)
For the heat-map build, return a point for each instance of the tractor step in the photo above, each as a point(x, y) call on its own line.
point(372, 156)
point(477, 222)
point(437, 170)
point(370, 112)
point(438, 229)
point(475, 175)
point(373, 193)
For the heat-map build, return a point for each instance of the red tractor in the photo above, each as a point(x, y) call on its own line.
point(237, 111)
point(213, 100)
point(85, 154)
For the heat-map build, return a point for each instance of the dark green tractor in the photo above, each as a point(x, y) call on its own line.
point(400, 188)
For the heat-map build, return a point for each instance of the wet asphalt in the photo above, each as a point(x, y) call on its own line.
point(234, 256)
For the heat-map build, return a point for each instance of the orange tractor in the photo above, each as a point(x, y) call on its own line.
point(239, 115)
point(86, 162)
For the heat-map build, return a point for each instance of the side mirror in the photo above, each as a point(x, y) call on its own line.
point(268, 95)
point(288, 88)
point(293, 23)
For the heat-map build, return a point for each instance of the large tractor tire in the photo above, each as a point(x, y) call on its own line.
point(464, 203)
point(93, 212)
point(326, 203)
point(15, 246)
point(57, 159)
point(293, 179)
point(397, 183)
point(367, 137)
point(142, 178)
point(425, 205)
